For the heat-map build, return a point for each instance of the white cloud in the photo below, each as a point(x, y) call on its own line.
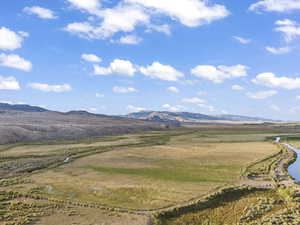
point(237, 88)
point(9, 83)
point(112, 22)
point(261, 94)
point(124, 90)
point(141, 13)
point(40, 12)
point(91, 58)
point(24, 34)
point(113, 19)
point(132, 108)
point(10, 40)
point(50, 88)
point(209, 108)
point(15, 61)
point(242, 40)
point(194, 100)
point(271, 80)
point(220, 73)
point(176, 108)
point(276, 5)
point(278, 51)
point(173, 89)
point(90, 6)
point(84, 30)
point(118, 66)
point(16, 103)
point(162, 72)
point(164, 28)
point(93, 110)
point(289, 28)
point(130, 40)
point(285, 22)
point(191, 13)
point(275, 108)
point(99, 95)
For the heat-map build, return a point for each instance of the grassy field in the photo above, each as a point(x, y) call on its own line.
point(144, 171)
point(250, 208)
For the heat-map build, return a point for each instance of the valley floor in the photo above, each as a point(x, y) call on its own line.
point(162, 177)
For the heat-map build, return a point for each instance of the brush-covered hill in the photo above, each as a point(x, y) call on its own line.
point(29, 123)
point(187, 117)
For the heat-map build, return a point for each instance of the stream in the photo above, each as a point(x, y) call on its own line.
point(294, 169)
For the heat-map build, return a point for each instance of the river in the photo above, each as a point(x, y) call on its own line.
point(294, 169)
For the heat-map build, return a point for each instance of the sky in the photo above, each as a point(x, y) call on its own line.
point(121, 56)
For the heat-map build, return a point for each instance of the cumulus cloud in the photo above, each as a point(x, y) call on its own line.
point(261, 94)
point(9, 83)
point(40, 12)
point(220, 73)
point(242, 40)
point(162, 72)
point(112, 22)
point(118, 66)
point(194, 100)
point(173, 89)
point(50, 88)
point(91, 58)
point(10, 40)
point(124, 90)
point(237, 88)
point(191, 13)
point(289, 28)
point(278, 51)
point(176, 108)
point(132, 108)
point(90, 6)
point(276, 5)
point(130, 40)
point(82, 29)
point(15, 61)
point(272, 81)
point(164, 28)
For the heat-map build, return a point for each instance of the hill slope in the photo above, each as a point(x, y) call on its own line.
point(186, 117)
point(29, 123)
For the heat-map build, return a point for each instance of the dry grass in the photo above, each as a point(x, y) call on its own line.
point(142, 171)
point(150, 177)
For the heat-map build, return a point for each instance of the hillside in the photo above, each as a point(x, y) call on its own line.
point(186, 117)
point(30, 123)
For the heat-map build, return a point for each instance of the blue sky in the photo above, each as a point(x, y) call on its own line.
point(115, 57)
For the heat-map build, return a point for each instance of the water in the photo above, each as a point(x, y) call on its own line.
point(294, 169)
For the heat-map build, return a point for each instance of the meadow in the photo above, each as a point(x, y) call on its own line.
point(128, 177)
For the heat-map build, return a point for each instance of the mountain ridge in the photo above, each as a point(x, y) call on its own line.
point(188, 117)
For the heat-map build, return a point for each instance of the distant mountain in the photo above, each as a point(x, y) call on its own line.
point(23, 123)
point(244, 118)
point(24, 108)
point(186, 117)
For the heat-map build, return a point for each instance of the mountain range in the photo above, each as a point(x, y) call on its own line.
point(31, 123)
point(187, 117)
